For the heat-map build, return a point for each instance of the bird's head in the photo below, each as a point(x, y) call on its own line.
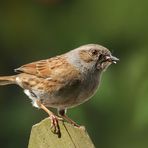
point(96, 56)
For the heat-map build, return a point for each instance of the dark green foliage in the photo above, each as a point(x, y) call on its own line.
point(117, 116)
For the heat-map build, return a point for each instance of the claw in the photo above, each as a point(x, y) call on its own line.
point(54, 124)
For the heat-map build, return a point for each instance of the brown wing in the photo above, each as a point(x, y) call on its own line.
point(56, 67)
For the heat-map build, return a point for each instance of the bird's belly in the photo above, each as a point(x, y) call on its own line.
point(65, 96)
point(70, 96)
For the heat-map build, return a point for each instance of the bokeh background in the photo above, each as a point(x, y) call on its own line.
point(117, 116)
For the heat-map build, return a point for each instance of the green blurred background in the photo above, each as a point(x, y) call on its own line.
point(117, 116)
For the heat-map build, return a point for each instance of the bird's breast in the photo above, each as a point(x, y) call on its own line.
point(89, 87)
point(75, 93)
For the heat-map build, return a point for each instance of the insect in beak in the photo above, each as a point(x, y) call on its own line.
point(111, 59)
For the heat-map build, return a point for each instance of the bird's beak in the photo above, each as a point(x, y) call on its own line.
point(111, 59)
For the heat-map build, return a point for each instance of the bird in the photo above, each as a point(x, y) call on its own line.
point(64, 81)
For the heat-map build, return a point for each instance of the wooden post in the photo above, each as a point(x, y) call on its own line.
point(71, 137)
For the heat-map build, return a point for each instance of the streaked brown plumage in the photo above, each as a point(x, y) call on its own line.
point(63, 81)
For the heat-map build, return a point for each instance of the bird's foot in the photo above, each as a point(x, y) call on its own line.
point(55, 123)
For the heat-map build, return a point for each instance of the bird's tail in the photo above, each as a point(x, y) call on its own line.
point(6, 80)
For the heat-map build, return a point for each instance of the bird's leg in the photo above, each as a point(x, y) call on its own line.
point(62, 113)
point(54, 119)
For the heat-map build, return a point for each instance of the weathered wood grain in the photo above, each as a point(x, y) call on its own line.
point(71, 137)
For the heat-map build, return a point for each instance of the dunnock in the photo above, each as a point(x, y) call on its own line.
point(63, 81)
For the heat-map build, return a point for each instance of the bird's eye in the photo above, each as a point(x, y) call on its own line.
point(94, 52)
